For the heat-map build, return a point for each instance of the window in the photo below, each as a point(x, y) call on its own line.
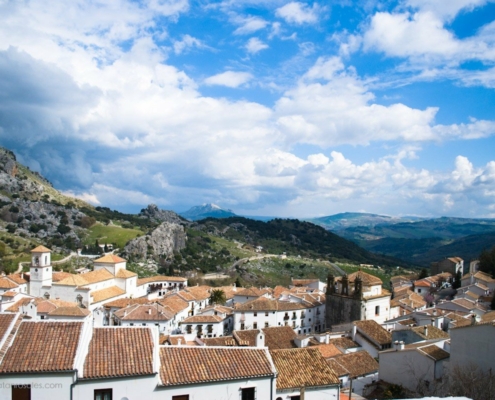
point(267, 325)
point(255, 325)
point(103, 394)
point(242, 326)
point(181, 397)
point(248, 393)
point(377, 310)
point(255, 314)
point(21, 392)
point(266, 313)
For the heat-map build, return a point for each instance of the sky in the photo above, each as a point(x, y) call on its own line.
point(266, 107)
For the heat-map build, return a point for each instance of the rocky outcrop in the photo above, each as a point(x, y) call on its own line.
point(163, 241)
point(155, 214)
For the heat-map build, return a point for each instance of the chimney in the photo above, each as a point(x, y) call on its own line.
point(426, 331)
point(471, 278)
point(354, 331)
point(396, 345)
point(401, 345)
point(260, 339)
point(433, 322)
point(473, 319)
point(327, 338)
point(149, 311)
point(179, 342)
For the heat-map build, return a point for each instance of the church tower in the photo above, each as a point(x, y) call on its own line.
point(40, 271)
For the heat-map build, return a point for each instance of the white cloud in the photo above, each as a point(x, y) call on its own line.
point(186, 43)
point(255, 45)
point(249, 25)
point(231, 79)
point(445, 9)
point(299, 13)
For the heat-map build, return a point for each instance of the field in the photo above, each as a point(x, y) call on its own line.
point(111, 234)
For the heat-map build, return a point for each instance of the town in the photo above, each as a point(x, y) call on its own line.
point(106, 334)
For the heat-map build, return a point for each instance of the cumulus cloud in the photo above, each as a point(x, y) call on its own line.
point(231, 79)
point(249, 25)
point(186, 43)
point(299, 13)
point(92, 102)
point(255, 45)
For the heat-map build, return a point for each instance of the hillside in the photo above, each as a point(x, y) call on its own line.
point(346, 220)
point(425, 241)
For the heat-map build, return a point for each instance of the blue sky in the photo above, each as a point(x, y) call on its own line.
point(272, 107)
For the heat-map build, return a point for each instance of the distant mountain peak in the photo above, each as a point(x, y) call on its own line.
point(207, 210)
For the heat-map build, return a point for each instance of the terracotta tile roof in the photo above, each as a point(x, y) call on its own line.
point(230, 291)
point(408, 322)
point(199, 292)
point(70, 312)
point(17, 278)
point(311, 299)
point(432, 332)
point(368, 279)
point(6, 283)
point(124, 274)
point(160, 278)
point(488, 317)
point(246, 337)
point(122, 303)
point(18, 304)
point(253, 292)
point(119, 352)
point(186, 296)
point(44, 306)
point(110, 259)
point(202, 319)
point(344, 343)
point(9, 294)
point(99, 275)
point(183, 365)
point(302, 368)
point(358, 364)
point(5, 322)
point(374, 331)
point(265, 304)
point(279, 337)
point(175, 303)
point(434, 352)
point(107, 293)
point(328, 350)
point(58, 276)
point(337, 368)
point(41, 249)
point(43, 347)
point(145, 312)
point(279, 290)
point(174, 340)
point(220, 341)
point(218, 308)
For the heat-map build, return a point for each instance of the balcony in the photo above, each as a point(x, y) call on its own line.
point(303, 315)
point(286, 317)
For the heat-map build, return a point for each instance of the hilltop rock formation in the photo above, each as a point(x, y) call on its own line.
point(164, 240)
point(155, 214)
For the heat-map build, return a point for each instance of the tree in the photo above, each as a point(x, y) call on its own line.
point(487, 261)
point(457, 279)
point(423, 274)
point(238, 282)
point(217, 296)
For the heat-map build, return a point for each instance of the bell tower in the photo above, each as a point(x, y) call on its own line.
point(40, 271)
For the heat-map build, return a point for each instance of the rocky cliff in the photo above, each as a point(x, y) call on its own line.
point(155, 214)
point(162, 241)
